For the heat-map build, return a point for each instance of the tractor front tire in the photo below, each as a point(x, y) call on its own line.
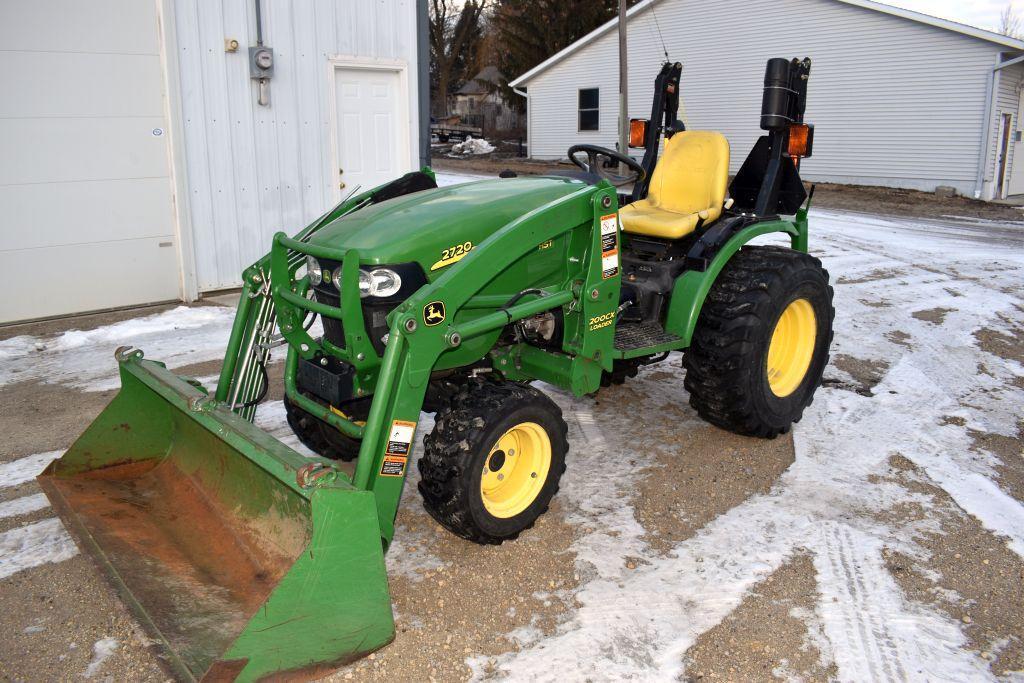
point(762, 341)
point(493, 461)
point(320, 437)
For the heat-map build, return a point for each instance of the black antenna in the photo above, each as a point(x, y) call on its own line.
point(658, 26)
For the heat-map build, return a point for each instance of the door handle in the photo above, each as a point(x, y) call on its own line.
point(341, 185)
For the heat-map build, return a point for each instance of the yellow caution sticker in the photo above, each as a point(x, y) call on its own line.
point(396, 455)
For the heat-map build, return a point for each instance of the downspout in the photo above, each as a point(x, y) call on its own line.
point(987, 123)
point(423, 78)
point(529, 127)
point(990, 87)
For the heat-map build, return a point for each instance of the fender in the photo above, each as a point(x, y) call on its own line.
point(692, 287)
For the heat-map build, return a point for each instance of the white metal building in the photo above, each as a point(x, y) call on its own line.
point(136, 164)
point(898, 98)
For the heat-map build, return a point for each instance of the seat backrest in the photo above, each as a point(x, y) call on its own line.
point(692, 174)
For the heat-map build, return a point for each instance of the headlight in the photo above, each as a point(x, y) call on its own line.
point(380, 282)
point(386, 282)
point(313, 270)
point(365, 283)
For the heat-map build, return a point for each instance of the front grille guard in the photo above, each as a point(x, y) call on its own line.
point(289, 295)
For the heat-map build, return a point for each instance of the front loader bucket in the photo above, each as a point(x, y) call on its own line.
point(196, 517)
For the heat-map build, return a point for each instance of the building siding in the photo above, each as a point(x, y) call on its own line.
point(254, 170)
point(895, 102)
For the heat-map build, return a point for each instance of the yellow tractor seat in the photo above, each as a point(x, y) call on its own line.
point(688, 185)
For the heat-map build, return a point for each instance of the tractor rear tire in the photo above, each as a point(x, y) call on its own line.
point(493, 461)
point(320, 437)
point(766, 299)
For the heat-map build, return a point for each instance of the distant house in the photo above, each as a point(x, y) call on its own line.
point(898, 98)
point(479, 102)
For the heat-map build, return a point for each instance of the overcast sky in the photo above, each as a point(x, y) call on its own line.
point(980, 13)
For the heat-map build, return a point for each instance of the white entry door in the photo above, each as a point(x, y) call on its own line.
point(1016, 185)
point(371, 127)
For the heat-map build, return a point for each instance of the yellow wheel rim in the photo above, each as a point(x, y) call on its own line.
point(515, 470)
point(792, 347)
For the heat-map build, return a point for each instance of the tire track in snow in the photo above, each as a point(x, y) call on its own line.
point(860, 629)
point(875, 634)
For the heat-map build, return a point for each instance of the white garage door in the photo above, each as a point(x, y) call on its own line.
point(86, 217)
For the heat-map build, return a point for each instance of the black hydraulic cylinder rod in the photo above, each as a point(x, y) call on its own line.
point(664, 109)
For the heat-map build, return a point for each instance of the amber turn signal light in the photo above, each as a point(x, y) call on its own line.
point(801, 139)
point(637, 132)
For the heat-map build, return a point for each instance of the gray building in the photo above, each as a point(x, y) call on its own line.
point(898, 98)
point(140, 161)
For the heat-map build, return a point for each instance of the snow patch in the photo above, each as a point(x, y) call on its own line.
point(23, 506)
point(23, 469)
point(85, 359)
point(471, 146)
point(34, 544)
point(409, 555)
point(272, 418)
point(101, 651)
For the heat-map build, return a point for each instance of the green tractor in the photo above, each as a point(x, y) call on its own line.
point(246, 560)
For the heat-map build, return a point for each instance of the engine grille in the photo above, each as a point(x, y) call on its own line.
point(334, 330)
point(374, 319)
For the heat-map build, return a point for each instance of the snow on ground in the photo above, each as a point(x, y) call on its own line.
point(85, 359)
point(24, 505)
point(34, 544)
point(30, 545)
point(638, 623)
point(101, 650)
point(21, 470)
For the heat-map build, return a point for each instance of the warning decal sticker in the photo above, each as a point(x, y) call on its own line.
point(392, 466)
point(399, 447)
point(609, 246)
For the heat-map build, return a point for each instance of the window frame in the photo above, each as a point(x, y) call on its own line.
point(580, 109)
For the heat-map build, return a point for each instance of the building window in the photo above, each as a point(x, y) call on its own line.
point(589, 116)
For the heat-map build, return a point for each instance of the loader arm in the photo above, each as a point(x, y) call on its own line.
point(242, 376)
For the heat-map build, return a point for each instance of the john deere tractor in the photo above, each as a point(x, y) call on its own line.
point(245, 559)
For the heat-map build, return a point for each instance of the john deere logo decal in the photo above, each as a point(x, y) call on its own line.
point(433, 313)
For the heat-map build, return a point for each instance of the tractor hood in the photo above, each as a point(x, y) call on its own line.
point(426, 227)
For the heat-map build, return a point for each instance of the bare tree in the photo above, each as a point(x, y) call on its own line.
point(1009, 21)
point(455, 32)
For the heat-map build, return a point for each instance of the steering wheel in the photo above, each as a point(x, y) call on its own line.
point(597, 162)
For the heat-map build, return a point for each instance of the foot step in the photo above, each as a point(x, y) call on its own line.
point(629, 336)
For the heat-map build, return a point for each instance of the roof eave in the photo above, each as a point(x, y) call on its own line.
point(957, 27)
point(964, 29)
